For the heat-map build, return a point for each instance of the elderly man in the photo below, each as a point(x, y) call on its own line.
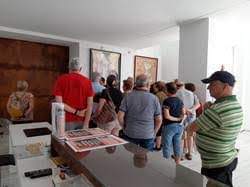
point(140, 114)
point(75, 91)
point(217, 129)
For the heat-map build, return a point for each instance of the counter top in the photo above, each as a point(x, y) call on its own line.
point(123, 165)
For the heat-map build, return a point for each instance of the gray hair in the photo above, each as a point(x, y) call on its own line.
point(141, 81)
point(96, 77)
point(74, 64)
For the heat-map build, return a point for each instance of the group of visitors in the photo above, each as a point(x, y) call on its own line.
point(157, 116)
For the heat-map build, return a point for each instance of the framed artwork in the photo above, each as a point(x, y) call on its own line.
point(147, 66)
point(105, 63)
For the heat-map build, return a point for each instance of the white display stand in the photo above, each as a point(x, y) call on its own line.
point(34, 163)
point(18, 137)
point(18, 141)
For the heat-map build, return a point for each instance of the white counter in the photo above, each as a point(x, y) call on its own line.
point(34, 163)
point(18, 137)
point(18, 141)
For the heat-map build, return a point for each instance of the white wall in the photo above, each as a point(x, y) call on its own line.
point(163, 45)
point(127, 58)
point(193, 54)
point(74, 50)
point(229, 44)
point(170, 60)
point(168, 54)
point(154, 52)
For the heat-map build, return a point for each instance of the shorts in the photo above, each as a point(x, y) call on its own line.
point(185, 134)
point(189, 120)
point(111, 127)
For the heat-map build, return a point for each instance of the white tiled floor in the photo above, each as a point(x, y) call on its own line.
point(241, 174)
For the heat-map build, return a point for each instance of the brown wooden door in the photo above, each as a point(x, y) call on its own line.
point(39, 64)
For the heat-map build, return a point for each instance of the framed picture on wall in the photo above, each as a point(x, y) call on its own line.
point(105, 63)
point(146, 65)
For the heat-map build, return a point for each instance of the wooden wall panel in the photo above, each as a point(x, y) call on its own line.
point(39, 64)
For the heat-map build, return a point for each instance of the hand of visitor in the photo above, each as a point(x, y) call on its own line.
point(81, 113)
point(207, 105)
point(189, 112)
point(182, 118)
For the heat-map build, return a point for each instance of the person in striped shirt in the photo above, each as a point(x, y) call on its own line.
point(217, 130)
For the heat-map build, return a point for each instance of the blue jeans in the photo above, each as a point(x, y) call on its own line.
point(145, 143)
point(171, 139)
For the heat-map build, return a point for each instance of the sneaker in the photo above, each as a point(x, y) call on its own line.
point(188, 156)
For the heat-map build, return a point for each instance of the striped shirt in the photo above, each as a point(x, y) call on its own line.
point(219, 127)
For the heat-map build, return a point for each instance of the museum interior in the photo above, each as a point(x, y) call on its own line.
point(124, 93)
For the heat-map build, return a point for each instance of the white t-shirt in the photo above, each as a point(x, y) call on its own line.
point(188, 98)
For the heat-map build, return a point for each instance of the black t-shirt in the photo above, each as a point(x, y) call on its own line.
point(115, 94)
point(175, 105)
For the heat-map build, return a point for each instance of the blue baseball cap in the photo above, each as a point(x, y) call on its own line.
point(223, 76)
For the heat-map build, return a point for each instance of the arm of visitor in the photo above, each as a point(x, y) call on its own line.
point(31, 106)
point(100, 105)
point(70, 109)
point(167, 115)
point(195, 106)
point(158, 121)
point(88, 111)
point(8, 105)
point(121, 115)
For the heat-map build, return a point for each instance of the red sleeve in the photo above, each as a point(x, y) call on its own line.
point(90, 92)
point(58, 88)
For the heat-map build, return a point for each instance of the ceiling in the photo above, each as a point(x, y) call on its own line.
point(115, 22)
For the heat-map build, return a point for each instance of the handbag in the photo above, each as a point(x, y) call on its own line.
point(16, 109)
point(107, 113)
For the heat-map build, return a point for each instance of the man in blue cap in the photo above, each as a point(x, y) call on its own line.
point(217, 130)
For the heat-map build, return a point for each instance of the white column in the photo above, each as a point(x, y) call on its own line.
point(193, 52)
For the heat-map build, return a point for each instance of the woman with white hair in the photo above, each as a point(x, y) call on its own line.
point(21, 103)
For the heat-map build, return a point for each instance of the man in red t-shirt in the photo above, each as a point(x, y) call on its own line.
point(75, 91)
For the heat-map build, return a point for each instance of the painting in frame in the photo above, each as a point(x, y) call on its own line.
point(105, 63)
point(147, 66)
